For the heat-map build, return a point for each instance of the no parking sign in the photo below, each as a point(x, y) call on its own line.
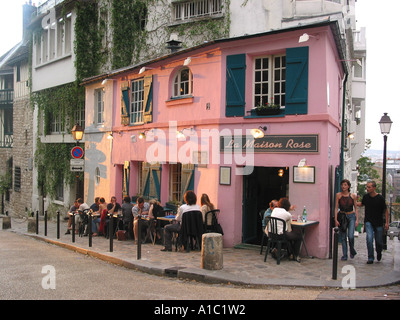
point(77, 152)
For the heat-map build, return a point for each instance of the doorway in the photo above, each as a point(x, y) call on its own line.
point(259, 188)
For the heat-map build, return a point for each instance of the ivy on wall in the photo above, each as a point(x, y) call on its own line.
point(64, 102)
point(128, 25)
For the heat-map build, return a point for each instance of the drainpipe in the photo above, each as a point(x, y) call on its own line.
point(343, 131)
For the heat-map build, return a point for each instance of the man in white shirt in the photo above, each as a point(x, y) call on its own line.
point(190, 199)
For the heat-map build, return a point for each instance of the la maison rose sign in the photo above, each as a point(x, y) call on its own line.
point(305, 143)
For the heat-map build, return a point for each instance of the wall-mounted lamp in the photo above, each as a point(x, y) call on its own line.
point(106, 80)
point(305, 37)
point(354, 60)
point(302, 163)
point(351, 135)
point(143, 134)
point(258, 132)
point(110, 136)
point(180, 134)
point(143, 69)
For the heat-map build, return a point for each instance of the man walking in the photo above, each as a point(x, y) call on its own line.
point(375, 208)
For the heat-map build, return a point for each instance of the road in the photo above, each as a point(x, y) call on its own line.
point(32, 269)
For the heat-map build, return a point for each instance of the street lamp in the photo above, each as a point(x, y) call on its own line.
point(77, 133)
point(385, 124)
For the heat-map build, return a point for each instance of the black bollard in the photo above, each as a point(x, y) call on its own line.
point(111, 232)
point(58, 224)
point(37, 222)
point(73, 227)
point(90, 228)
point(45, 223)
point(139, 238)
point(335, 253)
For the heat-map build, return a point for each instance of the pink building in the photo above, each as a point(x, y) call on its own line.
point(209, 94)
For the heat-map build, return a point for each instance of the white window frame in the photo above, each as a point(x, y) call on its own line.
point(182, 87)
point(276, 85)
point(137, 101)
point(185, 10)
point(99, 106)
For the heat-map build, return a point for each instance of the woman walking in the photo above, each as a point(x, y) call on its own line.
point(347, 217)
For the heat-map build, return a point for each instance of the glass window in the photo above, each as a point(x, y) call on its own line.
point(175, 182)
point(183, 83)
point(137, 99)
point(270, 80)
point(99, 106)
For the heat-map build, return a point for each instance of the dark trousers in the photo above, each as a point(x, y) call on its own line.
point(294, 239)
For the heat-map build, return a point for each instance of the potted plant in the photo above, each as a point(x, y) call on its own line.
point(267, 108)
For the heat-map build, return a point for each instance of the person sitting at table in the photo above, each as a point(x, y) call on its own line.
point(127, 217)
point(71, 211)
point(294, 238)
point(272, 205)
point(96, 217)
point(103, 215)
point(113, 208)
point(79, 217)
point(206, 206)
point(190, 200)
point(141, 208)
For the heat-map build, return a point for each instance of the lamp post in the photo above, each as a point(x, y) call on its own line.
point(77, 134)
point(385, 124)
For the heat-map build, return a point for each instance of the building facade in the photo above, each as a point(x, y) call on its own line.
point(209, 94)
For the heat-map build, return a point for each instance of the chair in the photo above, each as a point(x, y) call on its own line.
point(274, 238)
point(84, 222)
point(191, 230)
point(214, 221)
point(264, 235)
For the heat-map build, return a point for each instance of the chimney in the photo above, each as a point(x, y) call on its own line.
point(174, 44)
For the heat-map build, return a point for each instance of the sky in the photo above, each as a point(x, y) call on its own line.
point(381, 34)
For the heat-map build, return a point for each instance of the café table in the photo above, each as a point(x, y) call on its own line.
point(303, 226)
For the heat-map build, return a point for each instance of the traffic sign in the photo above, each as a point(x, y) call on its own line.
point(77, 165)
point(77, 152)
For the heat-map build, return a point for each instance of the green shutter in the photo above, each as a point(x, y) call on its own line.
point(125, 103)
point(296, 80)
point(235, 85)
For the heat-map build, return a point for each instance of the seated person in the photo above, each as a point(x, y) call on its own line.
point(71, 211)
point(190, 200)
point(141, 208)
point(272, 205)
point(113, 208)
point(127, 217)
point(294, 238)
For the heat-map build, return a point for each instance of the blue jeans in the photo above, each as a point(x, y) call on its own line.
point(372, 232)
point(349, 234)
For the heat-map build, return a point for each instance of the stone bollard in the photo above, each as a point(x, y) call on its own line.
point(211, 251)
point(31, 225)
point(6, 222)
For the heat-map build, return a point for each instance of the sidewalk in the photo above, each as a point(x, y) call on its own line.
point(240, 266)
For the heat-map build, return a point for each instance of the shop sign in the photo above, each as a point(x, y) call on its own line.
point(305, 143)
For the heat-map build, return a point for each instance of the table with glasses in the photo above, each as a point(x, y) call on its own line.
point(303, 226)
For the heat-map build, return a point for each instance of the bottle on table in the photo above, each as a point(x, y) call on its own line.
point(304, 214)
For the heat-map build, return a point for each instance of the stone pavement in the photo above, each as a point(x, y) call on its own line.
point(243, 266)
